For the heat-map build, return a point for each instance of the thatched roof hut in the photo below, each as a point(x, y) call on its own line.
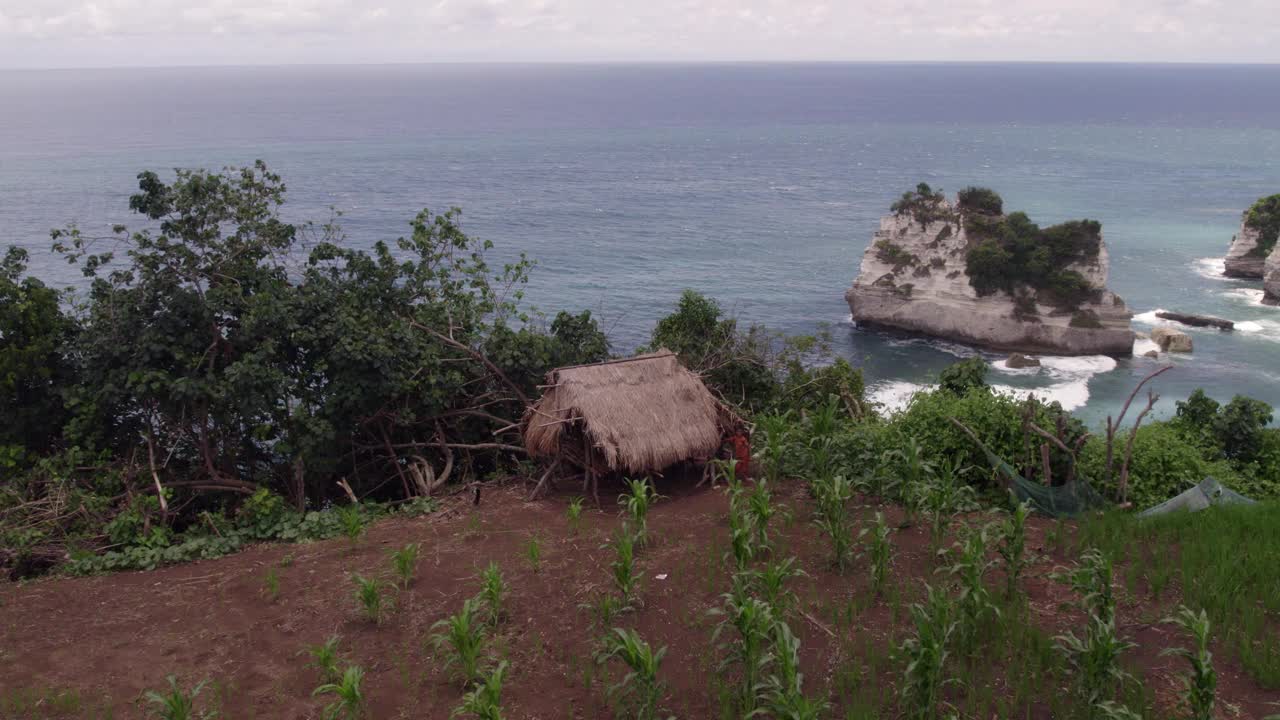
point(634, 416)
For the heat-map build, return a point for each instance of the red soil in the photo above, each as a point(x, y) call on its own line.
point(111, 637)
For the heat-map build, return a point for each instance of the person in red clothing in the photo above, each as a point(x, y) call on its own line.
point(742, 452)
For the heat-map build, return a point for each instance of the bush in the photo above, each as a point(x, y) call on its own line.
point(1163, 464)
point(983, 201)
point(1264, 216)
point(924, 205)
point(959, 378)
point(893, 254)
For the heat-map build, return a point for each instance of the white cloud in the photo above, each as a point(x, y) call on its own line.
point(106, 32)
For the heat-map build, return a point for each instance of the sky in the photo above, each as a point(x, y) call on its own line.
point(112, 33)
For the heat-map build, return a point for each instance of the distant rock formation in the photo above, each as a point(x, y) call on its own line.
point(1196, 320)
point(1259, 227)
point(915, 276)
point(1018, 361)
point(1271, 278)
point(1171, 339)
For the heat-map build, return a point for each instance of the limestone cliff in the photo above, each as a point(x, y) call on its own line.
point(1271, 278)
point(914, 277)
point(1243, 260)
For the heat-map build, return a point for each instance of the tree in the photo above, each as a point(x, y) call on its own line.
point(961, 377)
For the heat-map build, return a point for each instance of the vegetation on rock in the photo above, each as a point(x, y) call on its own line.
point(1264, 217)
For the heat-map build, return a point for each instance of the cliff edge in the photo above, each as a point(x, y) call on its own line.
point(1251, 246)
point(965, 271)
point(1271, 278)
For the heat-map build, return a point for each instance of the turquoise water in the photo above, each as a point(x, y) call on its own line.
point(758, 184)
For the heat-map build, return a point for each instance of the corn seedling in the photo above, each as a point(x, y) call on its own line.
point(742, 536)
point(1091, 579)
point(784, 697)
point(271, 584)
point(348, 698)
point(624, 565)
point(604, 608)
point(369, 595)
point(351, 520)
point(533, 553)
point(825, 420)
point(324, 658)
point(176, 703)
point(639, 691)
point(943, 495)
point(880, 551)
point(770, 584)
point(484, 702)
point(640, 496)
point(915, 474)
point(1013, 547)
point(405, 563)
point(760, 507)
point(1114, 711)
point(777, 435)
point(1096, 660)
point(1202, 685)
point(832, 494)
point(493, 594)
point(752, 620)
point(462, 637)
point(574, 515)
point(969, 569)
point(926, 655)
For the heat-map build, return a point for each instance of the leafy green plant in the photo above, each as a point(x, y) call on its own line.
point(783, 689)
point(1202, 685)
point(752, 620)
point(770, 583)
point(604, 608)
point(1013, 546)
point(742, 533)
point(484, 702)
point(404, 562)
point(1091, 579)
point(832, 494)
point(369, 595)
point(943, 495)
point(623, 566)
point(271, 584)
point(760, 506)
point(462, 637)
point(176, 703)
point(640, 691)
point(925, 654)
point(880, 551)
point(1095, 660)
point(969, 569)
point(324, 658)
point(776, 430)
point(574, 515)
point(348, 697)
point(640, 496)
point(493, 594)
point(533, 553)
point(352, 521)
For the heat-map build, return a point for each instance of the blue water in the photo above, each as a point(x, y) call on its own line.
point(758, 184)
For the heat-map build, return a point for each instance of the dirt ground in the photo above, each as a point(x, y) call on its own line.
point(104, 640)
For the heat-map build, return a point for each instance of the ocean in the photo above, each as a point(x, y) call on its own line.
point(758, 184)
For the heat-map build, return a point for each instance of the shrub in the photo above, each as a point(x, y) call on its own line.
point(1264, 216)
point(980, 200)
point(924, 205)
point(963, 376)
point(893, 254)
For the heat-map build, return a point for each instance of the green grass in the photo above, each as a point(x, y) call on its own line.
point(1222, 560)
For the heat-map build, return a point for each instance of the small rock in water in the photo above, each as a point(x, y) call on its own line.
point(1171, 339)
point(1018, 360)
point(1151, 354)
point(1197, 320)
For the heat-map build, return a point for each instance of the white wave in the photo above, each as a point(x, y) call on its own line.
point(1149, 317)
point(1260, 329)
point(895, 395)
point(1072, 395)
point(1212, 268)
point(1083, 365)
point(1142, 346)
point(1249, 296)
point(1003, 366)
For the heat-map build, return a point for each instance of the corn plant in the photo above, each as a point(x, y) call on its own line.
point(1114, 711)
point(637, 500)
point(573, 514)
point(1096, 660)
point(770, 583)
point(832, 494)
point(461, 636)
point(752, 620)
point(604, 608)
point(624, 566)
point(776, 430)
point(640, 690)
point(880, 551)
point(369, 595)
point(348, 698)
point(1013, 547)
point(742, 535)
point(493, 594)
point(176, 703)
point(1091, 579)
point(351, 520)
point(783, 690)
point(727, 470)
point(324, 658)
point(1202, 685)
point(271, 585)
point(404, 562)
point(943, 494)
point(926, 654)
point(484, 702)
point(824, 421)
point(915, 474)
point(533, 553)
point(969, 569)
point(760, 507)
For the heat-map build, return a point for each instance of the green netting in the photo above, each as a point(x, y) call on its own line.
point(1073, 498)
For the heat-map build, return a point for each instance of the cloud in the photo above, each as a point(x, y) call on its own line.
point(230, 31)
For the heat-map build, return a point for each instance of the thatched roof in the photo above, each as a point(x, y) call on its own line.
point(641, 414)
